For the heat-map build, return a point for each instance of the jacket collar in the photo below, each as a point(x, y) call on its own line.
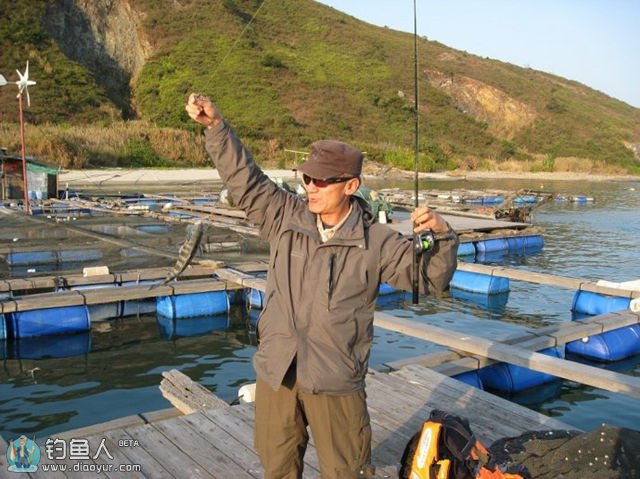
point(353, 232)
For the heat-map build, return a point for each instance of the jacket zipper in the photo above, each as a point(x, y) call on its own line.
point(332, 261)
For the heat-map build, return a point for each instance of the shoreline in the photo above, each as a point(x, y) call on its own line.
point(151, 176)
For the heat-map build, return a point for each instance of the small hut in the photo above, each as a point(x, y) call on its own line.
point(42, 180)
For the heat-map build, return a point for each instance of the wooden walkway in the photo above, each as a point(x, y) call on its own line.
point(218, 443)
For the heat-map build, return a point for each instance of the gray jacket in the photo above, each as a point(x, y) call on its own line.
point(320, 297)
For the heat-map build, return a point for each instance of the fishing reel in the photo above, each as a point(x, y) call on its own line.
point(423, 241)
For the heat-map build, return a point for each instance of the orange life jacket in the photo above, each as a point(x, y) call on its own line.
point(446, 448)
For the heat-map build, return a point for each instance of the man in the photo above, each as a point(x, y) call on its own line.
point(327, 260)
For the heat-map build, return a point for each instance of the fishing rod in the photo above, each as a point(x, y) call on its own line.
point(415, 270)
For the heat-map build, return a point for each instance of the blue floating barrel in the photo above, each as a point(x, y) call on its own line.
point(579, 199)
point(491, 257)
point(593, 303)
point(386, 288)
point(479, 283)
point(3, 328)
point(535, 242)
point(41, 322)
point(492, 302)
point(171, 328)
point(539, 394)
point(466, 249)
point(610, 346)
point(255, 298)
point(472, 378)
point(32, 257)
point(491, 245)
point(55, 346)
point(196, 304)
point(515, 243)
point(509, 378)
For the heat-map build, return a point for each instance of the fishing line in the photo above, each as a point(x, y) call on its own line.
point(232, 47)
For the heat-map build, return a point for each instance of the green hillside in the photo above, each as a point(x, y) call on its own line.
point(300, 71)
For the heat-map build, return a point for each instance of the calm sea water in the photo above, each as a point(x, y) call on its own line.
point(116, 368)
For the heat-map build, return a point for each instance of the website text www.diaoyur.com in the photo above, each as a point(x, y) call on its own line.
point(89, 467)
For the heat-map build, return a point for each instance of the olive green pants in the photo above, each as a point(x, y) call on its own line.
point(339, 425)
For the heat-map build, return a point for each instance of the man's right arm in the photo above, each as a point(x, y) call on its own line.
point(261, 199)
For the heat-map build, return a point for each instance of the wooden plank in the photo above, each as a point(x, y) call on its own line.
point(160, 415)
point(545, 278)
point(45, 300)
point(107, 295)
point(49, 282)
point(149, 466)
point(119, 459)
point(603, 379)
point(492, 417)
point(169, 455)
point(186, 395)
point(450, 362)
point(225, 441)
point(194, 445)
point(244, 279)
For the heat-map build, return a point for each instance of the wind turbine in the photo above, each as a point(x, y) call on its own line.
point(23, 87)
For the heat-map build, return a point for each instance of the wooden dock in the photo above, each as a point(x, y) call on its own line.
point(218, 443)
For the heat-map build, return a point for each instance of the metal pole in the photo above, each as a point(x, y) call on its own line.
point(24, 157)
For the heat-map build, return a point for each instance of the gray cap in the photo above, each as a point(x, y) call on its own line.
point(332, 158)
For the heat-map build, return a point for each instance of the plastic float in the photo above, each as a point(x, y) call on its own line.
point(472, 378)
point(611, 345)
point(479, 283)
point(41, 322)
point(528, 244)
point(190, 305)
point(509, 378)
point(466, 249)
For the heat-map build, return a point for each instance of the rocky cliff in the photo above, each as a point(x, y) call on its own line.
point(106, 37)
point(504, 115)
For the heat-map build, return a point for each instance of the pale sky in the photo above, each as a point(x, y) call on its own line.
point(595, 42)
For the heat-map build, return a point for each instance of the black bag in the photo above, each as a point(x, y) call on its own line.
point(457, 448)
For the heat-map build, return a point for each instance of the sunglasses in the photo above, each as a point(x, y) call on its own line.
point(325, 181)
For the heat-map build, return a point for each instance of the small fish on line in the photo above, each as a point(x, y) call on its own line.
point(186, 253)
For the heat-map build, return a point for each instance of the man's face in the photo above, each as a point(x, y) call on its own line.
point(332, 198)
